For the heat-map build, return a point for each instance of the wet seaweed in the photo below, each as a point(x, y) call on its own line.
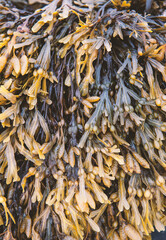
point(82, 119)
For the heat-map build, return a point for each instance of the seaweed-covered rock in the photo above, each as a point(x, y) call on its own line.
point(82, 119)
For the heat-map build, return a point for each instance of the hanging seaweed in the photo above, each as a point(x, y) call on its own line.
point(82, 119)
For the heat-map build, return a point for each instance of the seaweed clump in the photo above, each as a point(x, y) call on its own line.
point(82, 119)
